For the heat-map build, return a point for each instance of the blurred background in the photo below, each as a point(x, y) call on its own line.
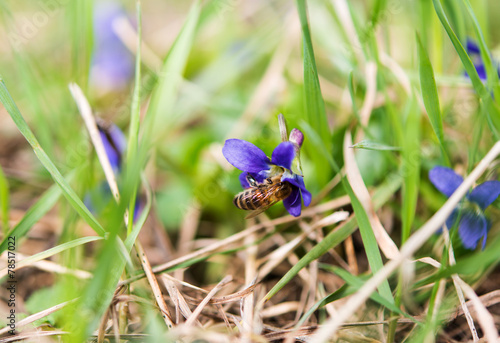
point(239, 66)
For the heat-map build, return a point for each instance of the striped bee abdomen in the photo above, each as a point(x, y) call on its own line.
point(262, 196)
point(249, 199)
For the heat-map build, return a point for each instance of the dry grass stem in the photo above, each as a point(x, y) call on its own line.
point(385, 242)
point(248, 307)
point(206, 300)
point(154, 284)
point(48, 266)
point(187, 233)
point(484, 318)
point(278, 255)
point(88, 118)
point(101, 330)
point(456, 283)
point(344, 15)
point(219, 245)
point(371, 93)
point(179, 301)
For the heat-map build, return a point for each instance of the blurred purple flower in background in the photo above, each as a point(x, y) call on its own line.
point(251, 160)
point(472, 223)
point(475, 56)
point(112, 63)
point(115, 143)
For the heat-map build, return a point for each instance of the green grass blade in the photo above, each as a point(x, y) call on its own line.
point(66, 189)
point(133, 138)
point(491, 70)
point(344, 291)
point(351, 87)
point(369, 241)
point(470, 265)
point(129, 242)
point(376, 146)
point(37, 211)
point(411, 169)
point(493, 110)
point(60, 248)
point(358, 282)
point(160, 114)
point(378, 9)
point(315, 106)
point(4, 203)
point(97, 294)
point(79, 16)
point(430, 95)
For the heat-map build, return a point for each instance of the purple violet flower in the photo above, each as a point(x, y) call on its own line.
point(475, 55)
point(115, 143)
point(112, 63)
point(472, 223)
point(251, 160)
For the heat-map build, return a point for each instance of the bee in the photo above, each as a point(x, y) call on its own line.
point(261, 196)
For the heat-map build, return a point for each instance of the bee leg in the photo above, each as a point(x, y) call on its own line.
point(251, 181)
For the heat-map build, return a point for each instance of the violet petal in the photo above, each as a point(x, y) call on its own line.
point(293, 203)
point(471, 229)
point(283, 155)
point(245, 156)
point(298, 181)
point(485, 193)
point(445, 180)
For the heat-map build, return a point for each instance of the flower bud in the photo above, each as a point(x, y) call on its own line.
point(297, 138)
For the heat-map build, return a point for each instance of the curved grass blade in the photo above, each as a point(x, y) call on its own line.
point(491, 70)
point(363, 221)
point(493, 111)
point(411, 168)
point(160, 111)
point(129, 242)
point(315, 106)
point(66, 189)
point(35, 212)
point(56, 250)
point(473, 264)
point(344, 291)
point(430, 95)
point(351, 286)
point(357, 282)
point(133, 138)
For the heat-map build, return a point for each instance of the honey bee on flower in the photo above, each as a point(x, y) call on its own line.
point(269, 180)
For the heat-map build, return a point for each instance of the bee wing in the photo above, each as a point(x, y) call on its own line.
point(258, 211)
